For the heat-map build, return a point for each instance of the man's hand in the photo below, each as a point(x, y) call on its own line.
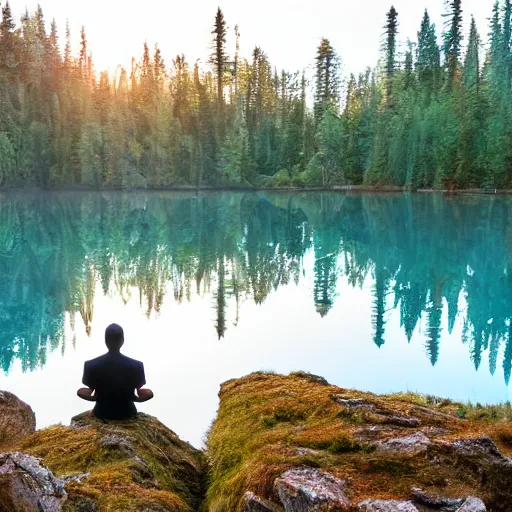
point(86, 394)
point(143, 395)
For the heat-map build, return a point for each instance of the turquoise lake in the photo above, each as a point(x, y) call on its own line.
point(380, 292)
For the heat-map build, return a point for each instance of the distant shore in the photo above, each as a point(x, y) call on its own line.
point(189, 188)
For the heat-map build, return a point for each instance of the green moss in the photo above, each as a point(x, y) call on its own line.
point(269, 423)
point(344, 445)
point(391, 467)
point(133, 465)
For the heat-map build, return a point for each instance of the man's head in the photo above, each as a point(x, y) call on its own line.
point(114, 337)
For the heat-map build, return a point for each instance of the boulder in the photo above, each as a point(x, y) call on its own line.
point(17, 419)
point(306, 489)
point(443, 503)
point(387, 506)
point(472, 505)
point(484, 449)
point(407, 446)
point(253, 503)
point(28, 486)
point(436, 502)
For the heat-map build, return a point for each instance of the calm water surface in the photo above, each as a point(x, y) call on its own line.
point(377, 292)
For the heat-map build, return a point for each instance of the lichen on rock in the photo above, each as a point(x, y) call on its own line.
point(304, 489)
point(28, 486)
point(387, 506)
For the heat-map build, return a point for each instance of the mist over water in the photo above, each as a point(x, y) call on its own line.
point(379, 292)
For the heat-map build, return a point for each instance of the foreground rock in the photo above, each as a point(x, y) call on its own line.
point(27, 486)
point(303, 489)
point(17, 420)
point(296, 444)
point(253, 503)
point(387, 506)
point(121, 466)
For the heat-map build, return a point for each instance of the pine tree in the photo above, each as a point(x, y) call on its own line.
point(159, 68)
point(507, 31)
point(82, 63)
point(237, 58)
point(428, 63)
point(40, 24)
point(327, 79)
point(67, 48)
point(7, 38)
point(218, 57)
point(390, 51)
point(453, 41)
point(55, 56)
point(471, 70)
point(409, 67)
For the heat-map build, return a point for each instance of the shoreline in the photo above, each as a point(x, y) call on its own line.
point(192, 189)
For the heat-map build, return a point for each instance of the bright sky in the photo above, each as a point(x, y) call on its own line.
point(288, 30)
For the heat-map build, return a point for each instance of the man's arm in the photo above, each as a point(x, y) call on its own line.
point(142, 395)
point(87, 393)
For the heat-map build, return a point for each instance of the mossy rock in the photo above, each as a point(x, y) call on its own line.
point(383, 447)
point(125, 466)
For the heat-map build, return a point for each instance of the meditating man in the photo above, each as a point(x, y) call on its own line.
point(112, 380)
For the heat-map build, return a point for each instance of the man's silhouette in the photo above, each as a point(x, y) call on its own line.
point(112, 379)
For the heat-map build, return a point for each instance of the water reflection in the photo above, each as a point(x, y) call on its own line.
point(425, 255)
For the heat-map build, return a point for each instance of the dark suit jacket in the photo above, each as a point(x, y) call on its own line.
point(114, 377)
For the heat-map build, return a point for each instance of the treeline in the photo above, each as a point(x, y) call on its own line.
point(436, 115)
point(434, 264)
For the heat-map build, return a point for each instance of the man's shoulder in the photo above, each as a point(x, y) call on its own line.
point(96, 361)
point(108, 359)
point(131, 362)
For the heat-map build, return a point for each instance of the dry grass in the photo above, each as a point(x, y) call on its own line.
point(154, 470)
point(268, 423)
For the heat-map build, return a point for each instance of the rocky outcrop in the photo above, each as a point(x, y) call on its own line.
point(279, 444)
point(132, 465)
point(302, 445)
point(27, 486)
point(17, 420)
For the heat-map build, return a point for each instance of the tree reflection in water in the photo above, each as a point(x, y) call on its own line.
point(422, 254)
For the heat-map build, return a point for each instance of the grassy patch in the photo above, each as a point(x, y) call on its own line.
point(150, 469)
point(269, 423)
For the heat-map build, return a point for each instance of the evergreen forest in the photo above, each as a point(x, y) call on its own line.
point(436, 115)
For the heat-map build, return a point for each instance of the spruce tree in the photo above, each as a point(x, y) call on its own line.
point(53, 41)
point(83, 54)
point(218, 57)
point(428, 61)
point(471, 70)
point(67, 48)
point(327, 79)
point(507, 31)
point(390, 51)
point(7, 38)
point(453, 41)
